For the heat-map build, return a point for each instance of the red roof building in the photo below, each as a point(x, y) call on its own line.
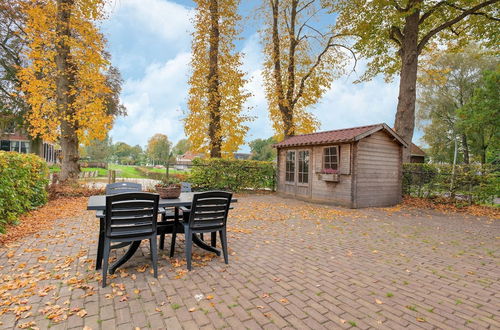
point(355, 167)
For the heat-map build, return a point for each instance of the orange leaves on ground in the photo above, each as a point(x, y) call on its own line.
point(282, 211)
point(43, 218)
point(447, 206)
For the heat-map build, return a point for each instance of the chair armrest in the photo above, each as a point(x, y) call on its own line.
point(185, 209)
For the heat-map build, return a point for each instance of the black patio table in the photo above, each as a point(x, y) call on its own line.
point(98, 203)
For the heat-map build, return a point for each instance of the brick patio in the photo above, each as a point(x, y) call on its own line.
point(292, 265)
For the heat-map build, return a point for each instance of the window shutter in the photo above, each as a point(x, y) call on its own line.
point(345, 159)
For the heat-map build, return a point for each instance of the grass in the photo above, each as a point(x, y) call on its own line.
point(123, 171)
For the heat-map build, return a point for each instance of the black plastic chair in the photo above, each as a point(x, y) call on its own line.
point(208, 214)
point(122, 187)
point(112, 189)
point(168, 220)
point(130, 217)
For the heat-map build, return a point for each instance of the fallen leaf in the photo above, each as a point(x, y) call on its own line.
point(82, 313)
point(378, 301)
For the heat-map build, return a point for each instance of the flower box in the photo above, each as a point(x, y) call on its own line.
point(330, 177)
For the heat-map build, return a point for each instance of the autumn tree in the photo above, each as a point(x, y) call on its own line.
point(262, 149)
point(301, 60)
point(393, 34)
point(159, 148)
point(12, 44)
point(215, 121)
point(65, 83)
point(480, 116)
point(181, 147)
point(445, 85)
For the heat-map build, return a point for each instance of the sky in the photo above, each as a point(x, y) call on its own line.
point(150, 43)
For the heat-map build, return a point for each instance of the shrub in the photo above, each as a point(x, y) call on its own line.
point(471, 183)
point(23, 179)
point(234, 175)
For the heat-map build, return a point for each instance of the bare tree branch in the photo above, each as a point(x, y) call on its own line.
point(455, 20)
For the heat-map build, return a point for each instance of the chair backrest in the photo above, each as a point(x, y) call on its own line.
point(130, 215)
point(122, 187)
point(209, 210)
point(185, 187)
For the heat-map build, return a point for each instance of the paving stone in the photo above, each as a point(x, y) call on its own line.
point(377, 268)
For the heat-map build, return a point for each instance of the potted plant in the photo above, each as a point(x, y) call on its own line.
point(329, 174)
point(169, 187)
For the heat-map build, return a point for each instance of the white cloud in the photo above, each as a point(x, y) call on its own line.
point(164, 18)
point(154, 103)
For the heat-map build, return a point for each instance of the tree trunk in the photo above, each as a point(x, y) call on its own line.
point(285, 108)
point(64, 99)
point(290, 93)
point(69, 145)
point(465, 146)
point(405, 114)
point(213, 83)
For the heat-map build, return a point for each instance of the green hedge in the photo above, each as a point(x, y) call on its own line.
point(471, 183)
point(233, 175)
point(23, 179)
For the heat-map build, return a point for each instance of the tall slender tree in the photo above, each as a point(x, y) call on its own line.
point(301, 60)
point(216, 117)
point(393, 34)
point(66, 84)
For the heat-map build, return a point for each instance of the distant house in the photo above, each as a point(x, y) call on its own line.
point(184, 161)
point(13, 139)
point(355, 167)
point(417, 155)
point(242, 156)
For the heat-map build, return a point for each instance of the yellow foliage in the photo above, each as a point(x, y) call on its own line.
point(230, 92)
point(316, 60)
point(87, 114)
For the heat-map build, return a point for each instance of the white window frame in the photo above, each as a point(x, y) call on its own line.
point(323, 163)
point(294, 166)
point(308, 167)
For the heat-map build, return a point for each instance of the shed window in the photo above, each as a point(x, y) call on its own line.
point(303, 166)
point(290, 166)
point(331, 158)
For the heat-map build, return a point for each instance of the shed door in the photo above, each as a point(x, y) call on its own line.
point(303, 169)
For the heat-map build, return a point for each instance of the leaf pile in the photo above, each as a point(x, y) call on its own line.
point(449, 206)
point(44, 217)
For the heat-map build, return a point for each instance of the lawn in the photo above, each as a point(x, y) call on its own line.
point(123, 171)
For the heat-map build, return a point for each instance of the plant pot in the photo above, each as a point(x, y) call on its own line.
point(169, 192)
point(330, 177)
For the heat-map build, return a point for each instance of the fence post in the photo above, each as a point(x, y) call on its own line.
point(111, 176)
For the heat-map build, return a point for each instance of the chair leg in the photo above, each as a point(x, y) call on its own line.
point(223, 241)
point(214, 239)
point(172, 243)
point(100, 246)
point(162, 236)
point(201, 237)
point(189, 246)
point(153, 245)
point(106, 248)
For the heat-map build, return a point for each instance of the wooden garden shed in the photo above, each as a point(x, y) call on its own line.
point(354, 167)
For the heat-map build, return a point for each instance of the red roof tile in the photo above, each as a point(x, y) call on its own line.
point(416, 151)
point(335, 136)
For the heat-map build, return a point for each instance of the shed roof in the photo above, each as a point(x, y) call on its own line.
point(338, 136)
point(416, 151)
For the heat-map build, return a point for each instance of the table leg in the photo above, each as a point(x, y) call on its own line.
point(133, 247)
point(204, 246)
point(214, 239)
point(100, 245)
